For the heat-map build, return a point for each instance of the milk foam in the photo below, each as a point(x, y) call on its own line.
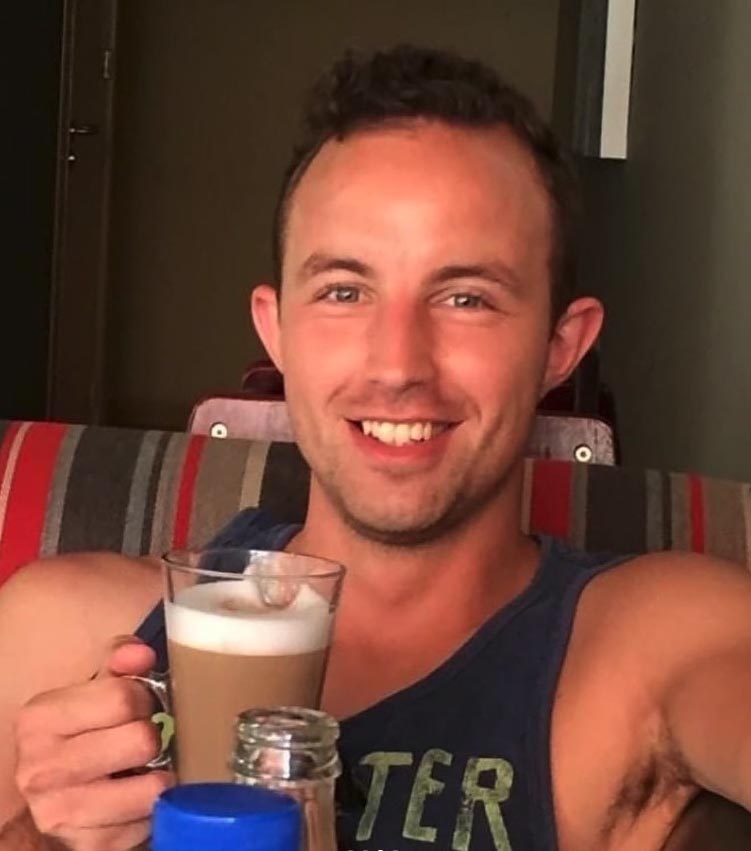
point(197, 618)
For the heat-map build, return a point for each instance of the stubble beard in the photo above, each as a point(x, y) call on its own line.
point(464, 497)
point(464, 503)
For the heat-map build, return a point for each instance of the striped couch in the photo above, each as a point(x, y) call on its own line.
point(66, 488)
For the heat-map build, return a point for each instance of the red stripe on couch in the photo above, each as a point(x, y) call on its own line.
point(550, 511)
point(28, 495)
point(186, 491)
point(696, 513)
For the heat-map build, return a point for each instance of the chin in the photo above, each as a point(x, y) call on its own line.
point(401, 530)
point(398, 538)
point(413, 517)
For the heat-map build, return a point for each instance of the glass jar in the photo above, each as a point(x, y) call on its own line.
point(292, 750)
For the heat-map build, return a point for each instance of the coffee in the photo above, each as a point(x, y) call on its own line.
point(229, 651)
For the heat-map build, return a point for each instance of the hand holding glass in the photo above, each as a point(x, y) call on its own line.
point(245, 628)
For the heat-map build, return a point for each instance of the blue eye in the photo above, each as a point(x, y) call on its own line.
point(341, 294)
point(467, 301)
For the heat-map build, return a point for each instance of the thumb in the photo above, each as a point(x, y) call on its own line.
point(127, 654)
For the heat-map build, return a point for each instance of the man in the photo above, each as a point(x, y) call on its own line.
point(497, 691)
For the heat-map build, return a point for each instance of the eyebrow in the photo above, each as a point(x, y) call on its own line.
point(496, 272)
point(319, 263)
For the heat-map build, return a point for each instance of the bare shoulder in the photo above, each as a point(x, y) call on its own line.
point(81, 600)
point(89, 572)
point(674, 580)
point(679, 599)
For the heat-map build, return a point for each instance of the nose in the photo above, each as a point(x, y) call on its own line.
point(400, 347)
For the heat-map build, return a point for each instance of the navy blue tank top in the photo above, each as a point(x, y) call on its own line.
point(461, 759)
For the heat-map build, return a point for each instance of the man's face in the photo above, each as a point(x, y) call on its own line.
point(414, 322)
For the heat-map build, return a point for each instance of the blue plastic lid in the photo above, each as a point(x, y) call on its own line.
point(225, 817)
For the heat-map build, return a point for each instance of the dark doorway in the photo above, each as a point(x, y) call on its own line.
point(29, 86)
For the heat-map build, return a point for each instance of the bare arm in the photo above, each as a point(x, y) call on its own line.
point(55, 621)
point(707, 691)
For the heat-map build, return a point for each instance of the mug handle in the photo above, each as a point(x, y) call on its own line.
point(158, 684)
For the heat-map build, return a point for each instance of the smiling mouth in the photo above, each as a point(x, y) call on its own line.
point(395, 433)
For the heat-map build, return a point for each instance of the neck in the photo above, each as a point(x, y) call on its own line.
point(460, 577)
point(404, 611)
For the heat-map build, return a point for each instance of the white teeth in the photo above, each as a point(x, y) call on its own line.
point(385, 432)
point(400, 434)
point(415, 431)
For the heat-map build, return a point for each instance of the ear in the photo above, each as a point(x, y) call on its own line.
point(575, 333)
point(264, 308)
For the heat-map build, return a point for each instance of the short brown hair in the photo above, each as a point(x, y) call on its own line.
point(367, 91)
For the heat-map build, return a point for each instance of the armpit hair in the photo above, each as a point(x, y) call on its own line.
point(650, 783)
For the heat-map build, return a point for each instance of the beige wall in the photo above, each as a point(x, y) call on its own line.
point(669, 243)
point(207, 99)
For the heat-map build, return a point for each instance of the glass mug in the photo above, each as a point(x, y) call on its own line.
point(245, 628)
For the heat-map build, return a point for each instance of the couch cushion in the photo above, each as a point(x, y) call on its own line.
point(67, 488)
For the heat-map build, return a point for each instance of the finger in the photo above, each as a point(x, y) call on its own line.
point(91, 756)
point(69, 711)
point(124, 837)
point(101, 804)
point(127, 654)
